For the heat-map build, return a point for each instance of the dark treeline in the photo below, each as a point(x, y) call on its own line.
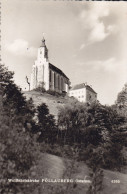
point(93, 129)
point(19, 150)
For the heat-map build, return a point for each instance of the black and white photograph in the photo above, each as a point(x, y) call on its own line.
point(63, 97)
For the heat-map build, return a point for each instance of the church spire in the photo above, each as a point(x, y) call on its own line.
point(43, 42)
point(44, 49)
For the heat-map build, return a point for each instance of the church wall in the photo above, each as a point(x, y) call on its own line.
point(57, 82)
point(32, 80)
point(60, 82)
point(46, 76)
point(42, 73)
point(33, 77)
point(52, 80)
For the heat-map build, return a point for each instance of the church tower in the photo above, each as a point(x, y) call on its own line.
point(46, 75)
point(40, 70)
point(43, 51)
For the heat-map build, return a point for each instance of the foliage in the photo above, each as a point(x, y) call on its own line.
point(122, 96)
point(53, 93)
point(96, 186)
point(5, 75)
point(95, 128)
point(121, 102)
point(57, 94)
point(18, 149)
point(18, 154)
point(46, 125)
point(41, 87)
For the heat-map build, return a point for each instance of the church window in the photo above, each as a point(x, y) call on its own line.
point(50, 76)
point(54, 80)
point(40, 52)
point(58, 82)
point(89, 96)
point(61, 84)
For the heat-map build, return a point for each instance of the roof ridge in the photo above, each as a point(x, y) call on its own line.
point(56, 68)
point(82, 85)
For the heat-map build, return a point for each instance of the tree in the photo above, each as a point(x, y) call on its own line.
point(95, 125)
point(46, 125)
point(15, 103)
point(5, 75)
point(96, 186)
point(19, 151)
point(121, 102)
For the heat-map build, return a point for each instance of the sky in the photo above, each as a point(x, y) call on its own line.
point(86, 40)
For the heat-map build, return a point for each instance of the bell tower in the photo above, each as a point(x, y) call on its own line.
point(43, 51)
point(40, 71)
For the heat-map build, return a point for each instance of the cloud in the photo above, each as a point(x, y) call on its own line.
point(111, 28)
point(21, 47)
point(82, 46)
point(109, 66)
point(98, 33)
point(92, 20)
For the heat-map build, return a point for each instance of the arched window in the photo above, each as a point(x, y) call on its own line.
point(54, 79)
point(50, 76)
point(62, 84)
point(58, 82)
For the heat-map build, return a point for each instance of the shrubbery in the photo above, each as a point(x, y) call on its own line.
point(46, 125)
point(99, 134)
point(95, 129)
point(18, 149)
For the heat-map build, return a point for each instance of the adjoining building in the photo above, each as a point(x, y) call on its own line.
point(47, 75)
point(83, 93)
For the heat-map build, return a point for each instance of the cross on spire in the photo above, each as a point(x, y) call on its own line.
point(43, 34)
point(43, 40)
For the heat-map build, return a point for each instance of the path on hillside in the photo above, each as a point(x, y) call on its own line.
point(55, 167)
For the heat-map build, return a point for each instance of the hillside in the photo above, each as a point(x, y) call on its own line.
point(53, 102)
point(55, 167)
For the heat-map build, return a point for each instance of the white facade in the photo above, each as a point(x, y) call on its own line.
point(79, 94)
point(83, 93)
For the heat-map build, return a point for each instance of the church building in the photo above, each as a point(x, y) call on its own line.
point(46, 74)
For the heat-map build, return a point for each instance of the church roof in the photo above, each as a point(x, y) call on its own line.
point(54, 68)
point(82, 85)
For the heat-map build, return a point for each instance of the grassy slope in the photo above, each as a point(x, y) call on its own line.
point(55, 167)
point(53, 102)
